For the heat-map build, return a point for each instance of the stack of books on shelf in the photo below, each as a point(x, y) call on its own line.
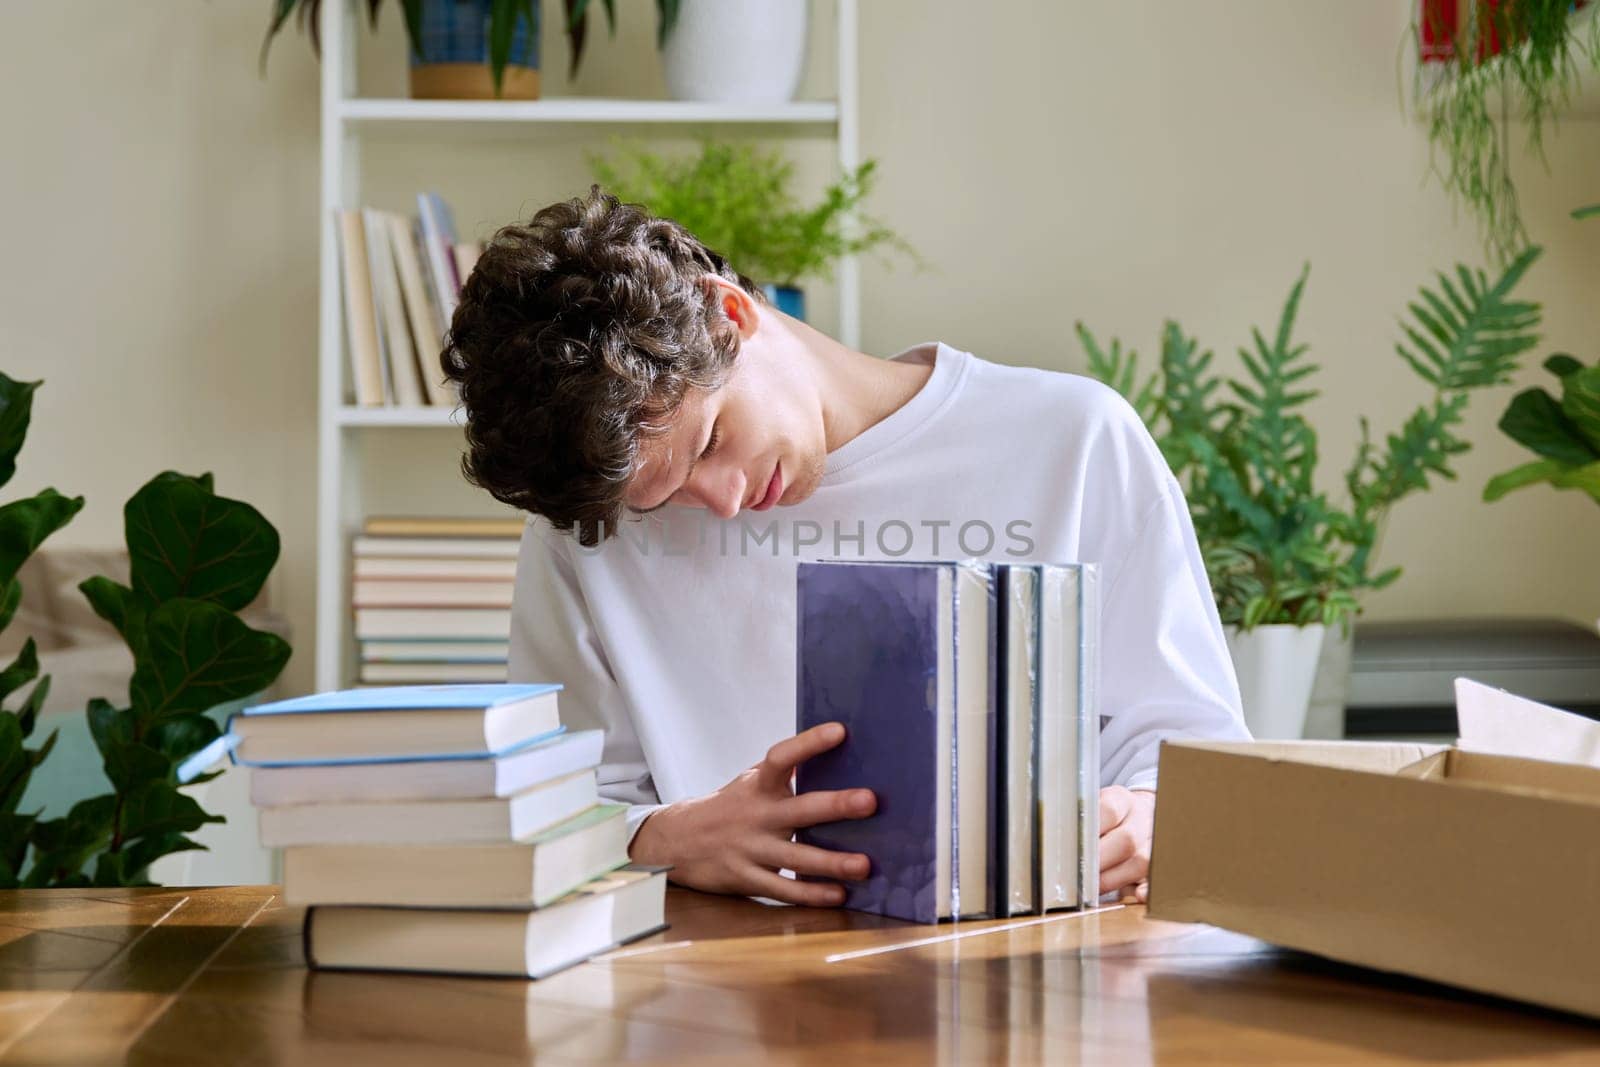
point(452, 829)
point(968, 691)
point(402, 278)
point(432, 598)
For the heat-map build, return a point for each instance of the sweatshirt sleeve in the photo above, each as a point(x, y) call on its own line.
point(1165, 668)
point(553, 640)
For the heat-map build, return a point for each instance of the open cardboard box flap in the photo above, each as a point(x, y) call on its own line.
point(1419, 859)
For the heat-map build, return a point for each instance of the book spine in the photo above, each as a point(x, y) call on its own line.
point(402, 358)
point(1088, 617)
point(361, 326)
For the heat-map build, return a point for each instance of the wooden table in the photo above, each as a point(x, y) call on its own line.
point(214, 976)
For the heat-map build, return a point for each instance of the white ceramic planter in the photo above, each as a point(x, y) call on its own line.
point(736, 51)
point(1276, 666)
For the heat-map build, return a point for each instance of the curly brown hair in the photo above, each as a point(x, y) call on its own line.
point(578, 335)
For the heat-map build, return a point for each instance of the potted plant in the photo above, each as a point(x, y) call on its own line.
point(736, 198)
point(1480, 59)
point(1286, 563)
point(460, 49)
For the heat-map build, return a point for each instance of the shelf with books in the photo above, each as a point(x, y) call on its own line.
point(585, 110)
point(393, 268)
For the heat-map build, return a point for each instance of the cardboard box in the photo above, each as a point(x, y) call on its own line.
point(1476, 868)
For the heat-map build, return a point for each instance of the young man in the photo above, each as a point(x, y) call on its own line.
point(636, 394)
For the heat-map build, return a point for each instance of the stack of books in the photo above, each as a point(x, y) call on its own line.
point(402, 279)
point(453, 829)
point(432, 598)
point(968, 692)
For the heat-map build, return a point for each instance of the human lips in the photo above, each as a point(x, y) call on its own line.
point(774, 490)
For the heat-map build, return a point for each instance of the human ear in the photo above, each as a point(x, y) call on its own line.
point(734, 303)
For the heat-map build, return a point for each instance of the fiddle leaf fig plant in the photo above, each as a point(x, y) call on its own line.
point(196, 558)
point(24, 525)
point(1277, 549)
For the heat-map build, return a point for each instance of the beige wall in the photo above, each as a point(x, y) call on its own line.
point(1116, 163)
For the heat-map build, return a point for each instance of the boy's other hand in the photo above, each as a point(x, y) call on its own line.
point(737, 839)
point(1127, 821)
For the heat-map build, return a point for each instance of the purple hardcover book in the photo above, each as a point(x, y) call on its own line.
point(880, 648)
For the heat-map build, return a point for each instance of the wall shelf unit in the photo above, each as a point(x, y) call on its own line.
point(346, 119)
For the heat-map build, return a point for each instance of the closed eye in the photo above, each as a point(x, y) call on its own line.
point(712, 442)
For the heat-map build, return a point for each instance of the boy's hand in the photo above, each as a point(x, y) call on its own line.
point(738, 838)
point(1127, 820)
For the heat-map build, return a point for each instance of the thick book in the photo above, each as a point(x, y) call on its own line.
point(430, 822)
point(395, 723)
point(429, 547)
point(1068, 776)
point(418, 672)
point(450, 779)
point(532, 874)
point(1016, 807)
point(405, 593)
point(434, 570)
point(442, 526)
point(903, 655)
point(1046, 822)
point(360, 313)
point(435, 651)
point(610, 911)
point(434, 623)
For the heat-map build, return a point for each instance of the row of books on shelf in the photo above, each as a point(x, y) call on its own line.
point(968, 693)
point(402, 278)
point(432, 598)
point(451, 829)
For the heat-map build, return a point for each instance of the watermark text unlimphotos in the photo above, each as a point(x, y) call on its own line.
point(689, 532)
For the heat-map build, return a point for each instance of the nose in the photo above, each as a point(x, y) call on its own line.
point(720, 490)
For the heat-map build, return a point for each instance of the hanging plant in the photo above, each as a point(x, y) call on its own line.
point(1486, 64)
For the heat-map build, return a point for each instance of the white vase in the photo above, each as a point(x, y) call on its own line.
point(1276, 666)
point(736, 51)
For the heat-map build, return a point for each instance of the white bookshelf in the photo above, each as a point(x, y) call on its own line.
point(346, 119)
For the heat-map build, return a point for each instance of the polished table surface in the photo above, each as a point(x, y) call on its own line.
point(173, 976)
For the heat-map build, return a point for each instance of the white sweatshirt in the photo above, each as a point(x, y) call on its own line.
point(677, 637)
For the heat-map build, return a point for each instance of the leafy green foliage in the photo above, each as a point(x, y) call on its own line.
point(24, 525)
point(504, 17)
point(1566, 432)
point(1469, 111)
point(736, 199)
point(196, 558)
point(577, 12)
point(1276, 548)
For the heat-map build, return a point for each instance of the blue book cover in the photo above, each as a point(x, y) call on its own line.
point(877, 648)
point(406, 698)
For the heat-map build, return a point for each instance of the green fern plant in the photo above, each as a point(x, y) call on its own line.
point(1276, 548)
